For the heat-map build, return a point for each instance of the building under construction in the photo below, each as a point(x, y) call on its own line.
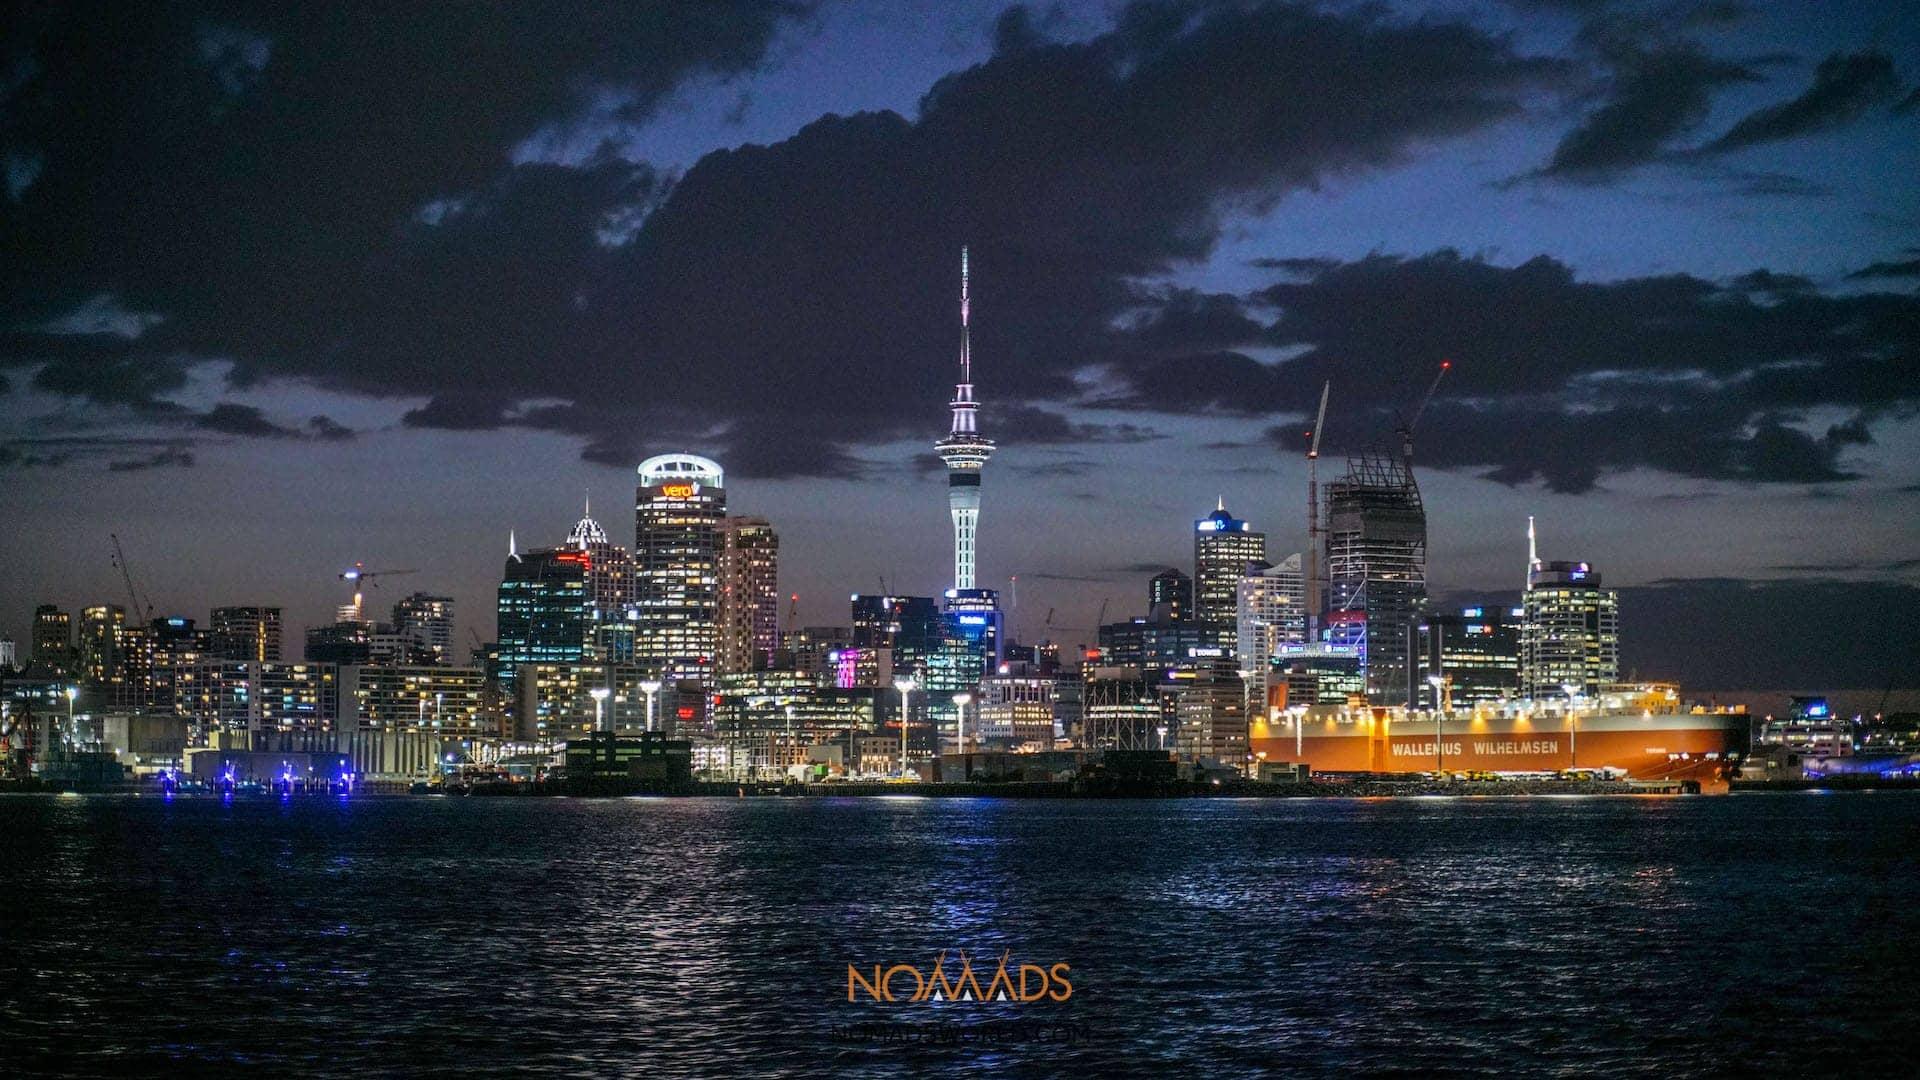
point(1376, 532)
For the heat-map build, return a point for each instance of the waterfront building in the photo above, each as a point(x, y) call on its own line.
point(1318, 673)
point(1271, 611)
point(1120, 710)
point(1570, 634)
point(1223, 548)
point(1158, 645)
point(1211, 716)
point(555, 701)
point(680, 509)
point(913, 627)
point(543, 611)
point(1017, 709)
point(408, 720)
point(53, 652)
point(964, 451)
point(427, 619)
point(1377, 569)
point(268, 706)
point(1170, 596)
point(246, 632)
point(749, 595)
point(1476, 652)
point(176, 652)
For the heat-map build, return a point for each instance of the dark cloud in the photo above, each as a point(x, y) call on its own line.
point(327, 429)
point(170, 456)
point(813, 276)
point(1908, 103)
point(1904, 269)
point(1844, 86)
point(1562, 380)
point(227, 418)
point(1656, 94)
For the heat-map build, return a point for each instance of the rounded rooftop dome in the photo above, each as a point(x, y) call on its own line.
point(662, 468)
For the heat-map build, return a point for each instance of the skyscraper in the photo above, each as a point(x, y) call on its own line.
point(1223, 548)
point(965, 452)
point(610, 585)
point(427, 619)
point(1570, 633)
point(679, 511)
point(52, 641)
point(1170, 595)
point(749, 594)
point(543, 612)
point(246, 633)
point(1272, 611)
point(1377, 569)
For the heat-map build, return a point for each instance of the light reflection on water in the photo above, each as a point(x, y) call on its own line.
point(373, 936)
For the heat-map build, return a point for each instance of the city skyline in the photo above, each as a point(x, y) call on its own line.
point(1723, 422)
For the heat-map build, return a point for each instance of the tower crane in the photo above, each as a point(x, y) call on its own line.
point(359, 574)
point(1406, 427)
point(140, 610)
point(1313, 514)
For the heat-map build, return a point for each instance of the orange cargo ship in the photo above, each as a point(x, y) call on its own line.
point(1640, 730)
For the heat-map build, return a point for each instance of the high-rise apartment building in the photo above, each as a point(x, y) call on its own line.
point(427, 619)
point(246, 633)
point(52, 641)
point(610, 584)
point(749, 595)
point(1272, 610)
point(679, 513)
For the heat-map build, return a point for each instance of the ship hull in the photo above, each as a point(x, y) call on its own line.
point(1643, 746)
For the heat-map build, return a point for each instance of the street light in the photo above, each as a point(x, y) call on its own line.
point(788, 752)
point(906, 687)
point(1439, 722)
point(650, 687)
point(72, 692)
point(962, 700)
point(599, 695)
point(1572, 691)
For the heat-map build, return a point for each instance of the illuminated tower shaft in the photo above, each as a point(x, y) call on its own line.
point(964, 452)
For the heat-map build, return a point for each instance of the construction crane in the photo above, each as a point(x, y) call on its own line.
point(1313, 513)
point(140, 610)
point(359, 574)
point(1406, 427)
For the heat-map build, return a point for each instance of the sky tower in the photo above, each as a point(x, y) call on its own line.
point(965, 452)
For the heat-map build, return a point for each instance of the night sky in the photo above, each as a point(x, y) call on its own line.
point(287, 286)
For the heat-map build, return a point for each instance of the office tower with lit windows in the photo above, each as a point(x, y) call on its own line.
point(1170, 596)
point(1272, 610)
point(680, 510)
point(427, 619)
point(610, 574)
point(246, 633)
point(749, 595)
point(52, 641)
point(544, 615)
point(1570, 629)
point(1476, 652)
point(1223, 548)
point(1376, 562)
point(965, 452)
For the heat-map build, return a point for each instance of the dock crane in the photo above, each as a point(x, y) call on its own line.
point(360, 574)
point(140, 609)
